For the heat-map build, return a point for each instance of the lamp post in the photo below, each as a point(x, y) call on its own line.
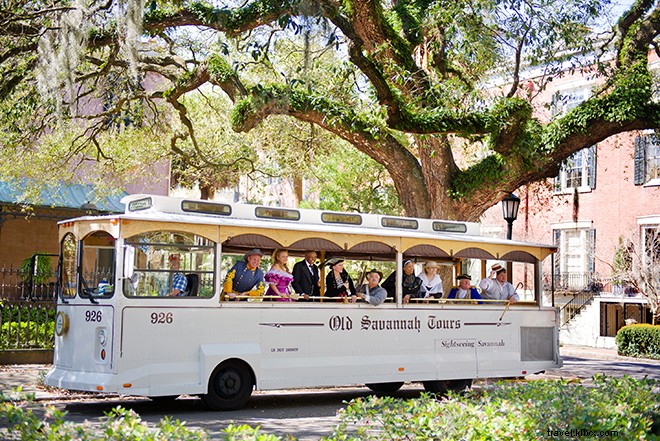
point(510, 205)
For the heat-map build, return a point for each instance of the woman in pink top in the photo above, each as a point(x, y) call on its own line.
point(279, 277)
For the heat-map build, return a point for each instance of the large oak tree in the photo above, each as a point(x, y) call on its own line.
point(413, 81)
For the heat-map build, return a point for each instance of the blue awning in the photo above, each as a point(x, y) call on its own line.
point(61, 196)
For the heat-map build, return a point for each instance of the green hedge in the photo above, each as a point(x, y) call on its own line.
point(27, 335)
point(639, 341)
point(608, 408)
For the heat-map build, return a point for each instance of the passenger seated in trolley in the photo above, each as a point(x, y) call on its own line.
point(431, 280)
point(279, 278)
point(464, 291)
point(338, 282)
point(413, 287)
point(245, 279)
point(496, 286)
point(371, 292)
point(179, 282)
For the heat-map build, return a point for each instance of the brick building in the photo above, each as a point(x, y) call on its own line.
point(604, 193)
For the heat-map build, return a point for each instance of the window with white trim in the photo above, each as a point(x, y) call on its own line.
point(651, 244)
point(565, 100)
point(647, 160)
point(574, 260)
point(578, 172)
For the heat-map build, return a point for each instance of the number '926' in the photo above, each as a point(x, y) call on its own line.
point(161, 317)
point(93, 316)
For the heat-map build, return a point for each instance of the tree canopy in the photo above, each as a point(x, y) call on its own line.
point(406, 82)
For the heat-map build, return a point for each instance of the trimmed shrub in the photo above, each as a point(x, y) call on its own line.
point(640, 340)
point(613, 408)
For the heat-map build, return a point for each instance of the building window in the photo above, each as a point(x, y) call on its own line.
point(578, 172)
point(651, 244)
point(647, 160)
point(574, 260)
point(566, 100)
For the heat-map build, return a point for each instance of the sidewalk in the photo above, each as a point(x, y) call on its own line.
point(25, 377)
point(589, 352)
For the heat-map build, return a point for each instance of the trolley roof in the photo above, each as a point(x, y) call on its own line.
point(240, 227)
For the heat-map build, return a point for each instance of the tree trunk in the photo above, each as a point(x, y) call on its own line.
point(207, 192)
point(297, 189)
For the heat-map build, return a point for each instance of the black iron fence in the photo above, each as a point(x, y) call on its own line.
point(579, 282)
point(26, 325)
point(27, 306)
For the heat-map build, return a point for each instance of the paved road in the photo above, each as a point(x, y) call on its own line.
point(308, 415)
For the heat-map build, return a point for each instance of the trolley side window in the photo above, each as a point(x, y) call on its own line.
point(97, 265)
point(69, 253)
point(157, 263)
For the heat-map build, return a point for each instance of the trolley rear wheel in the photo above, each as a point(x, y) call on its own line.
point(441, 387)
point(230, 386)
point(385, 388)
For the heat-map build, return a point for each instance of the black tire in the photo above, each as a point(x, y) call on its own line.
point(442, 387)
point(385, 388)
point(230, 386)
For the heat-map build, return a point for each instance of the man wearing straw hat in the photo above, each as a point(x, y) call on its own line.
point(245, 278)
point(496, 286)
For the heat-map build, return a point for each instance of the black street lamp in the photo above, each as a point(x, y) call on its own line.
point(510, 205)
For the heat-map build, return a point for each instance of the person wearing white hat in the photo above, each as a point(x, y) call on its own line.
point(431, 280)
point(496, 286)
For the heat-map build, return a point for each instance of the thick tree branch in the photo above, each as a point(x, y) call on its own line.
point(368, 136)
point(634, 41)
point(231, 21)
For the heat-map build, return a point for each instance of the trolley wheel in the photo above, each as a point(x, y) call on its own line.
point(230, 386)
point(442, 387)
point(164, 398)
point(385, 388)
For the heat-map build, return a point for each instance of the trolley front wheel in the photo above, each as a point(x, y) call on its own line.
point(230, 386)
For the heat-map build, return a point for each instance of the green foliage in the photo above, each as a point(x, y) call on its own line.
point(367, 72)
point(624, 408)
point(618, 408)
point(119, 425)
point(247, 433)
point(27, 334)
point(220, 69)
point(26, 327)
point(481, 174)
point(639, 340)
point(41, 272)
point(347, 180)
point(622, 262)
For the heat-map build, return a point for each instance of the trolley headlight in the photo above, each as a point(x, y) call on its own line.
point(61, 323)
point(102, 337)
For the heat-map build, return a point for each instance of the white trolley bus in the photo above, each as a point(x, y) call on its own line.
point(117, 331)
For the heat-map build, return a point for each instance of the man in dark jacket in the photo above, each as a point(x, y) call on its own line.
point(306, 277)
